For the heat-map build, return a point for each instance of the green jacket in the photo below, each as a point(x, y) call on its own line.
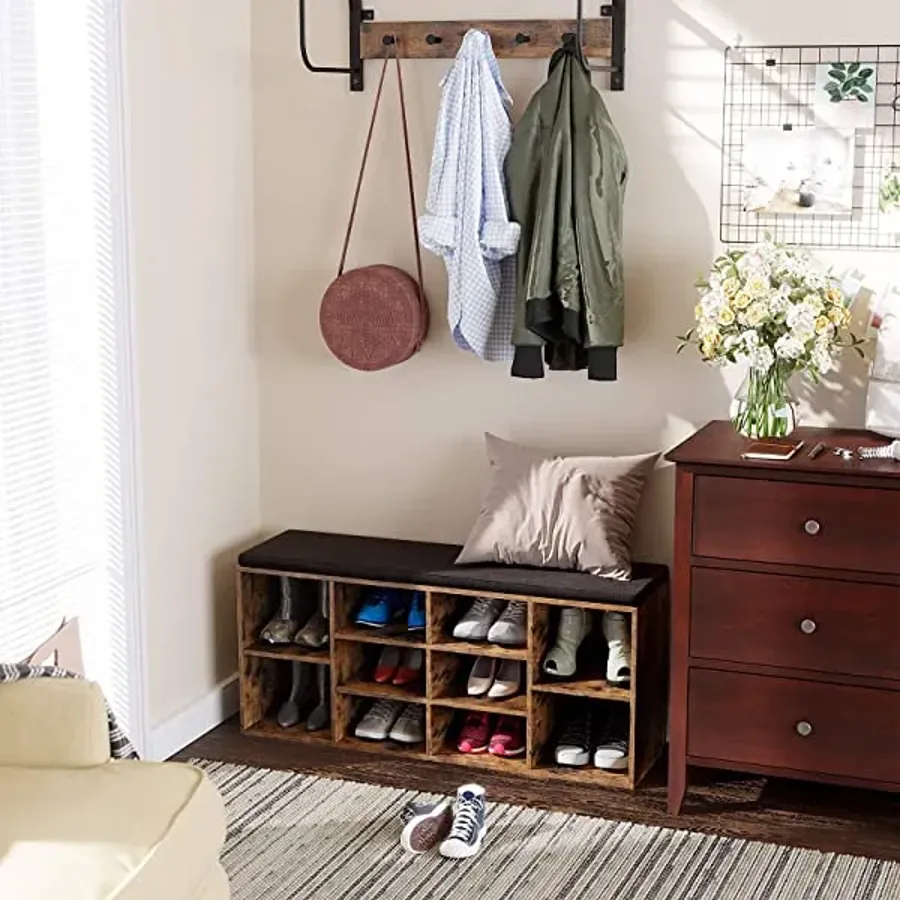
point(566, 174)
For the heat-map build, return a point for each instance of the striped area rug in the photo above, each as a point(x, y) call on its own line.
point(299, 836)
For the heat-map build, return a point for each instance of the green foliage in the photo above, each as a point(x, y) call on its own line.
point(850, 81)
point(889, 192)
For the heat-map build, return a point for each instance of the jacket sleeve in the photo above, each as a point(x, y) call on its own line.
point(438, 226)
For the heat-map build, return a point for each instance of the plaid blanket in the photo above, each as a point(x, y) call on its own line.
point(119, 745)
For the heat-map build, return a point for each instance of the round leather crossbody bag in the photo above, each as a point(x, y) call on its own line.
point(376, 316)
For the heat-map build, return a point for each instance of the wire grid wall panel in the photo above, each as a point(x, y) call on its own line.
point(775, 87)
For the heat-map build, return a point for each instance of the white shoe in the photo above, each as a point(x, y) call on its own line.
point(508, 681)
point(481, 677)
point(616, 630)
point(377, 723)
point(511, 628)
point(612, 750)
point(574, 627)
point(410, 727)
point(425, 825)
point(469, 824)
point(476, 623)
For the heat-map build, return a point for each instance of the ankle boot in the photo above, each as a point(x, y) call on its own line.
point(616, 630)
point(282, 627)
point(301, 688)
point(574, 627)
point(320, 717)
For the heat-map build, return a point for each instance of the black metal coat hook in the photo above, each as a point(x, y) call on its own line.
point(523, 38)
point(358, 15)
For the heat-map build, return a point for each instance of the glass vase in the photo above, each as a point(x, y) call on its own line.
point(763, 406)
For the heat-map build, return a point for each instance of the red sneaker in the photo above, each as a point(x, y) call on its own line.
point(475, 731)
point(508, 738)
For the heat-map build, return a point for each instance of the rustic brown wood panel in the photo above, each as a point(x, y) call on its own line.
point(852, 629)
point(255, 606)
point(445, 670)
point(484, 761)
point(541, 723)
point(511, 706)
point(441, 612)
point(483, 648)
point(680, 639)
point(258, 688)
point(358, 687)
point(755, 719)
point(440, 721)
point(398, 754)
point(545, 37)
point(269, 728)
point(744, 518)
point(288, 652)
point(649, 717)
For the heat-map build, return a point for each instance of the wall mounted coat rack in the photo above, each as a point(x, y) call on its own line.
point(602, 38)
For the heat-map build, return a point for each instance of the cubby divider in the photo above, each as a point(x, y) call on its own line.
point(353, 650)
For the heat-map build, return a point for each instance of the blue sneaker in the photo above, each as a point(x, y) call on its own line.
point(381, 606)
point(415, 621)
point(469, 825)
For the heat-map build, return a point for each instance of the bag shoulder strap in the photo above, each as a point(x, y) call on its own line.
point(409, 174)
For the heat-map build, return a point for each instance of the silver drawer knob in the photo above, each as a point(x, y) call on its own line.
point(804, 729)
point(812, 527)
point(808, 626)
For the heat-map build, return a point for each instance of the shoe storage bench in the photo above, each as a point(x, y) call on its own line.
point(351, 565)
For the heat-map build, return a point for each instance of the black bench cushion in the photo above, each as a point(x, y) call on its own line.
point(414, 562)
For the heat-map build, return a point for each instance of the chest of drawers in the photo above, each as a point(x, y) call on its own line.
point(786, 613)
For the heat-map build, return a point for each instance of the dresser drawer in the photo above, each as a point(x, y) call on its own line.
point(799, 725)
point(797, 523)
point(800, 623)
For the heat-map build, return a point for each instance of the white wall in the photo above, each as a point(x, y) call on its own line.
point(190, 168)
point(399, 453)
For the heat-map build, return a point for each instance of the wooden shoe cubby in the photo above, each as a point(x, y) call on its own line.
point(349, 565)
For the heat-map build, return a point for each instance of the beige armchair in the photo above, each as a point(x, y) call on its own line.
point(76, 825)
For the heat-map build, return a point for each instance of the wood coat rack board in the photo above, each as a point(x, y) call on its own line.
point(602, 38)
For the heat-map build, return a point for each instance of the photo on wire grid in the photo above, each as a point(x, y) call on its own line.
point(807, 171)
point(845, 94)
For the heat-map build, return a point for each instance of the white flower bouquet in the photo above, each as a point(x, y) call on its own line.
point(772, 308)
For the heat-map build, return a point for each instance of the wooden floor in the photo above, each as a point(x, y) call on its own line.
point(843, 820)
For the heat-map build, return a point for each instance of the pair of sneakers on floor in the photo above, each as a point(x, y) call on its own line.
point(457, 828)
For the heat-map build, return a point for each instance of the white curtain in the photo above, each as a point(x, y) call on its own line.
point(65, 464)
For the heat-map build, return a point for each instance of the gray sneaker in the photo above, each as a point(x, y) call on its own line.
point(469, 825)
point(425, 825)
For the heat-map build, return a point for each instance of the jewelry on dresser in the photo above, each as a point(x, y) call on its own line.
point(887, 451)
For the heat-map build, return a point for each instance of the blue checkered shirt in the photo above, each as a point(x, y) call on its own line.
point(467, 220)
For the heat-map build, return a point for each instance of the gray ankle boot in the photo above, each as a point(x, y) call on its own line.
point(320, 717)
point(300, 695)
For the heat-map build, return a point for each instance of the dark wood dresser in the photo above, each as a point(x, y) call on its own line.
point(786, 612)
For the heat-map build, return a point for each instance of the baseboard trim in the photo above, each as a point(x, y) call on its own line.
point(167, 738)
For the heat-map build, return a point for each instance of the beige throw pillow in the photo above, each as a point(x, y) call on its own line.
point(558, 512)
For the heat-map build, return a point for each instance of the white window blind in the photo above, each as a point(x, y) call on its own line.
point(63, 424)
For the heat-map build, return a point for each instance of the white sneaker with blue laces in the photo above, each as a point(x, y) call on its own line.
point(469, 824)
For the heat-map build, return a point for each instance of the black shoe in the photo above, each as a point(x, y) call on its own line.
point(574, 747)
